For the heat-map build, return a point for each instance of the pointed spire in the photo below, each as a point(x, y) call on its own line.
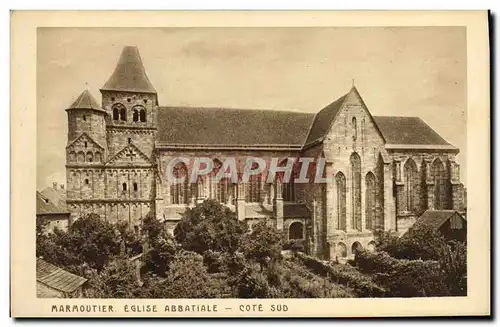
point(129, 74)
point(85, 101)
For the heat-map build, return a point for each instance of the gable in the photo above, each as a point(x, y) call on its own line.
point(84, 142)
point(129, 155)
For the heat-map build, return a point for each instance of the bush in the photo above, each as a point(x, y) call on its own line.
point(363, 285)
point(294, 245)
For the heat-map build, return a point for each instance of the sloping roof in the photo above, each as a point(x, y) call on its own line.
point(434, 218)
point(56, 277)
point(129, 74)
point(85, 101)
point(324, 119)
point(408, 130)
point(222, 126)
point(56, 196)
point(295, 210)
point(45, 206)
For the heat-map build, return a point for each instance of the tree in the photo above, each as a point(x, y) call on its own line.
point(263, 244)
point(210, 226)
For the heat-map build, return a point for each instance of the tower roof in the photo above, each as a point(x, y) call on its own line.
point(85, 101)
point(129, 74)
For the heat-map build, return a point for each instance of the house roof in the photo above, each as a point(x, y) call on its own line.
point(56, 195)
point(85, 101)
point(323, 120)
point(129, 74)
point(435, 218)
point(231, 127)
point(45, 206)
point(408, 130)
point(56, 277)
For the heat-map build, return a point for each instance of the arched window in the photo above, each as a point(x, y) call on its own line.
point(296, 231)
point(178, 191)
point(440, 185)
point(340, 188)
point(135, 115)
point(135, 187)
point(84, 118)
point(411, 190)
point(143, 115)
point(129, 140)
point(98, 157)
point(356, 246)
point(124, 186)
point(356, 191)
point(254, 186)
point(123, 114)
point(370, 200)
point(81, 157)
point(354, 129)
point(341, 250)
point(72, 156)
point(90, 157)
point(86, 181)
point(119, 112)
point(85, 144)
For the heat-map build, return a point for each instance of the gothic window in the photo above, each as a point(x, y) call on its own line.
point(178, 191)
point(288, 186)
point(219, 190)
point(340, 187)
point(370, 200)
point(354, 129)
point(135, 187)
point(411, 190)
point(143, 115)
point(296, 231)
point(90, 157)
point(356, 246)
point(440, 184)
point(124, 186)
point(135, 115)
point(254, 186)
point(356, 191)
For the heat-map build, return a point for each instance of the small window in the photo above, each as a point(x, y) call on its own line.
point(129, 140)
point(145, 100)
point(112, 99)
point(135, 187)
point(143, 115)
point(116, 114)
point(124, 186)
point(85, 144)
point(128, 99)
point(135, 115)
point(84, 118)
point(86, 181)
point(354, 129)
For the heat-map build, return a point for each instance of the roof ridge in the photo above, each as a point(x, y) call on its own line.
point(240, 109)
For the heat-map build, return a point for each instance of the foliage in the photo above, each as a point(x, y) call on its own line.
point(363, 285)
point(210, 226)
point(263, 244)
point(294, 245)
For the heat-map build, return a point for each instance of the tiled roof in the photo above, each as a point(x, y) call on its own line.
point(222, 126)
point(129, 74)
point(408, 130)
point(85, 101)
point(434, 218)
point(324, 119)
point(45, 206)
point(56, 196)
point(56, 277)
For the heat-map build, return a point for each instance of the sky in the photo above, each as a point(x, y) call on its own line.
point(400, 71)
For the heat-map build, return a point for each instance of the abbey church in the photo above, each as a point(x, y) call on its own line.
point(385, 171)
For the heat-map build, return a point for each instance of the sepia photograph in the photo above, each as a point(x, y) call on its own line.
point(250, 162)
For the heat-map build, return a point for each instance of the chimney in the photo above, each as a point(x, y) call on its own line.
point(54, 185)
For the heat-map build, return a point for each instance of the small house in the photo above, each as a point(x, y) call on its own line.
point(55, 282)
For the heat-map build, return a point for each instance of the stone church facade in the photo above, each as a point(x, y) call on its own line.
point(384, 171)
